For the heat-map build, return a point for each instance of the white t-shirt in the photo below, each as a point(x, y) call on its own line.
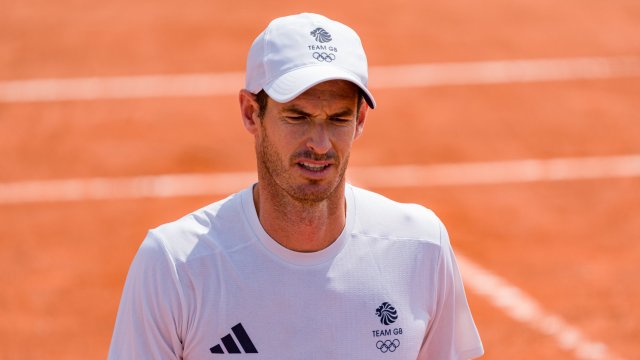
point(214, 285)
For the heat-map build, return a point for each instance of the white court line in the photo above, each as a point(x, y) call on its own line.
point(524, 309)
point(393, 76)
point(124, 87)
point(504, 71)
point(498, 172)
point(176, 185)
point(153, 186)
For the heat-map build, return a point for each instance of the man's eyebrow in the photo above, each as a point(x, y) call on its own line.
point(345, 112)
point(296, 110)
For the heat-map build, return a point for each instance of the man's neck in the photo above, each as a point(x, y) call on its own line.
point(300, 226)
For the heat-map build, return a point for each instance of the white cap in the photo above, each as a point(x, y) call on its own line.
point(297, 52)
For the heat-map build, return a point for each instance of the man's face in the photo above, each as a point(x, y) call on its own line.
point(303, 146)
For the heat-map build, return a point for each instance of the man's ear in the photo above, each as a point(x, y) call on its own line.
point(360, 121)
point(249, 110)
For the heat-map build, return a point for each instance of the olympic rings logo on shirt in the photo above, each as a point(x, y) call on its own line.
point(388, 345)
point(323, 56)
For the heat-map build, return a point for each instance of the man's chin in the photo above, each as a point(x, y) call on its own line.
point(315, 192)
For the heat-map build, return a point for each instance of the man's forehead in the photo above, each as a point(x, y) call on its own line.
point(325, 99)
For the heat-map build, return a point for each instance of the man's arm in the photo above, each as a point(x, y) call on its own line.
point(451, 333)
point(148, 325)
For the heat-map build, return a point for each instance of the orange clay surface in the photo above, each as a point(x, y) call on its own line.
point(574, 246)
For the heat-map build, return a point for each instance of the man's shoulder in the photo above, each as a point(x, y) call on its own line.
point(200, 232)
point(380, 216)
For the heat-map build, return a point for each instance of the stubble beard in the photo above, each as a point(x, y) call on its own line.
point(276, 175)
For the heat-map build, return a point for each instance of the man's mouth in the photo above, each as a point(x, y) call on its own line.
point(313, 167)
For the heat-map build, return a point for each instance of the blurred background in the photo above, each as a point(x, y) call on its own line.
point(518, 123)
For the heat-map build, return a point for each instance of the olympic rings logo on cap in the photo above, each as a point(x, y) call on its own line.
point(324, 57)
point(388, 345)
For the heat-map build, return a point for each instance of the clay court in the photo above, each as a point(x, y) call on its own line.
point(518, 122)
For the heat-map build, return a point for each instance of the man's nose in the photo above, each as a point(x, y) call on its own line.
point(319, 140)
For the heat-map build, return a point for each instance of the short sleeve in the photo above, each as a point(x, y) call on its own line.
point(451, 334)
point(149, 318)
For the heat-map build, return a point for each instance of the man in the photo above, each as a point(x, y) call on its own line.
point(300, 265)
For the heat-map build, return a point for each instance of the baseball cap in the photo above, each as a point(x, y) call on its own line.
point(297, 52)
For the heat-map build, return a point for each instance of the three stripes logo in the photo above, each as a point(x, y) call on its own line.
point(231, 346)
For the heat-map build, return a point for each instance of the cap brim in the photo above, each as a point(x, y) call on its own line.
point(288, 86)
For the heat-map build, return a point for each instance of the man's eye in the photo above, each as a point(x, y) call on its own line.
point(341, 120)
point(296, 118)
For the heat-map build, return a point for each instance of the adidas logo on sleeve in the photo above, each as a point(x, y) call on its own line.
point(231, 346)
